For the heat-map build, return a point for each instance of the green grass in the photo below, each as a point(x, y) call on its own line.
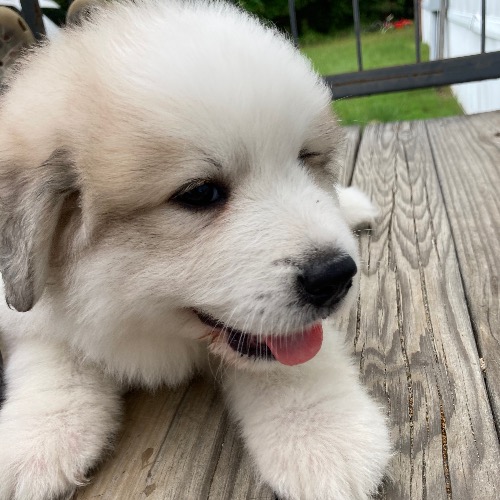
point(338, 55)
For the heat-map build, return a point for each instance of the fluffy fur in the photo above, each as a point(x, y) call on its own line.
point(103, 266)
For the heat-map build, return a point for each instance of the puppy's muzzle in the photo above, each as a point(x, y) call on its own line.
point(325, 280)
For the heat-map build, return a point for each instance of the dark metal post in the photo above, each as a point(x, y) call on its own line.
point(483, 26)
point(443, 13)
point(293, 22)
point(416, 16)
point(357, 29)
point(33, 16)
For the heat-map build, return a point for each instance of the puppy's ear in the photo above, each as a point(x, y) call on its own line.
point(30, 203)
point(357, 209)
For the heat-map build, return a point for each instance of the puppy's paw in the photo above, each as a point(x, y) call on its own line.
point(32, 470)
point(50, 441)
point(58, 418)
point(326, 455)
point(40, 467)
point(359, 212)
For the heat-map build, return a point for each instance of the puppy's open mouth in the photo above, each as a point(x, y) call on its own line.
point(292, 349)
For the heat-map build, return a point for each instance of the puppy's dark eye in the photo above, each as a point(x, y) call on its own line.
point(202, 195)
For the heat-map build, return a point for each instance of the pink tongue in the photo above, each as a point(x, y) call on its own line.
point(299, 348)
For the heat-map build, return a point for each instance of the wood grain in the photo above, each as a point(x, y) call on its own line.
point(411, 332)
point(176, 444)
point(352, 140)
point(467, 156)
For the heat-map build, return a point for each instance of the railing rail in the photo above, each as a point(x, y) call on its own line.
point(415, 76)
point(482, 66)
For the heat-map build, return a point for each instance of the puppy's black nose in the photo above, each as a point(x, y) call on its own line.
point(324, 281)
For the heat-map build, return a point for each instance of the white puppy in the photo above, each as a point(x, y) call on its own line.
point(166, 176)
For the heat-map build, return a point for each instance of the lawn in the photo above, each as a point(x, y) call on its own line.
point(338, 55)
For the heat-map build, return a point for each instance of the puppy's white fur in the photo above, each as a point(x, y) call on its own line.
point(99, 131)
point(356, 207)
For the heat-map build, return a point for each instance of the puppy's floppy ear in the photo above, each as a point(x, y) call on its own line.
point(30, 203)
point(358, 211)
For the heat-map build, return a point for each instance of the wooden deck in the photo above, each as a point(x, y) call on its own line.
point(425, 334)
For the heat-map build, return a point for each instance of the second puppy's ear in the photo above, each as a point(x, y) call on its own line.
point(30, 203)
point(357, 209)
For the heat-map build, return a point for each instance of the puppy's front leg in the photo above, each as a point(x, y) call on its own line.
point(55, 423)
point(312, 430)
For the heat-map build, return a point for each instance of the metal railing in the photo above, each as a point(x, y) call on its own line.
point(481, 66)
point(32, 14)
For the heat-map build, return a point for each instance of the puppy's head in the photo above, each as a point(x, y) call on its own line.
point(176, 162)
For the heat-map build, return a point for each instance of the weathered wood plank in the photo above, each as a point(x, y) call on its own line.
point(353, 137)
point(411, 331)
point(467, 155)
point(174, 445)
